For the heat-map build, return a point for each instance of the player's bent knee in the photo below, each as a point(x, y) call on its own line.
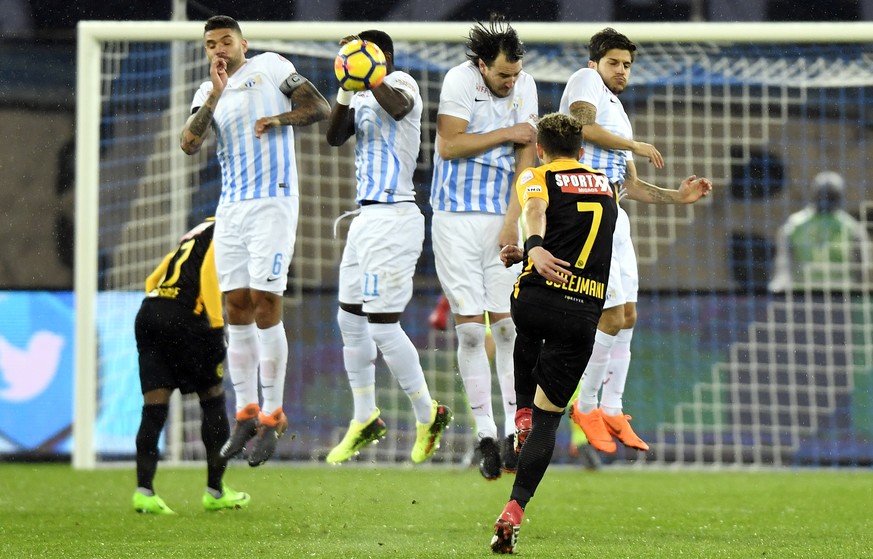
point(611, 320)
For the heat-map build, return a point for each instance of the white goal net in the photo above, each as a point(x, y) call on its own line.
point(723, 372)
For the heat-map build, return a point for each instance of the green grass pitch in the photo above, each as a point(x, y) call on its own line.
point(354, 511)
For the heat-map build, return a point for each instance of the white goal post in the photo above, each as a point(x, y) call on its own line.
point(703, 133)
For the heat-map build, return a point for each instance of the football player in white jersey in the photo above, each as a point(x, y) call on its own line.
point(383, 246)
point(591, 95)
point(253, 103)
point(486, 131)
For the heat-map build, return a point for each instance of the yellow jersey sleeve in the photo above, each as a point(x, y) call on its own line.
point(531, 183)
point(209, 291)
point(157, 276)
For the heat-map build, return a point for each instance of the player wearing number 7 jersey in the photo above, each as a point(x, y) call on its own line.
point(569, 213)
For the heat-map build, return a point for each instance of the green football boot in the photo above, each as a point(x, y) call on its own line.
point(230, 499)
point(357, 437)
point(150, 505)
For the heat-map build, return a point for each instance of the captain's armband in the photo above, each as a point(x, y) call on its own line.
point(291, 83)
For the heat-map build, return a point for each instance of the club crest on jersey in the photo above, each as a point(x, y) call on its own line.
point(251, 82)
point(525, 176)
point(583, 183)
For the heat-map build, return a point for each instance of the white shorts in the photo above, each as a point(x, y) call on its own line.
point(624, 277)
point(467, 256)
point(382, 249)
point(254, 243)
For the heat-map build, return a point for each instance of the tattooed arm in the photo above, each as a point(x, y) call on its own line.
point(310, 106)
point(198, 124)
point(690, 190)
point(197, 127)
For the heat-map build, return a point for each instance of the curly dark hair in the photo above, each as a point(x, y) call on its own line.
point(486, 41)
point(221, 22)
point(560, 135)
point(606, 40)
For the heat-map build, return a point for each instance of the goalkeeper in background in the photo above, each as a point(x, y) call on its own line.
point(256, 218)
point(180, 339)
point(569, 213)
point(383, 246)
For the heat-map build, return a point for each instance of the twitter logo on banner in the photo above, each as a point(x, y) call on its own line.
point(25, 373)
point(36, 369)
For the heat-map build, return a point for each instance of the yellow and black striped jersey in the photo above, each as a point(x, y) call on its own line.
point(580, 221)
point(188, 275)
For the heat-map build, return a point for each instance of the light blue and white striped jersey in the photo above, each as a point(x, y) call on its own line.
point(386, 150)
point(587, 85)
point(253, 167)
point(482, 183)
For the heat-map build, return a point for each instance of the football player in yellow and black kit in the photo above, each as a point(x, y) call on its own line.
point(180, 339)
point(569, 212)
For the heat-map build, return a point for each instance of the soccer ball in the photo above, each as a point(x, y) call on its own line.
point(360, 65)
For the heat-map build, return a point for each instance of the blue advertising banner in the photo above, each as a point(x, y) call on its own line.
point(36, 370)
point(37, 346)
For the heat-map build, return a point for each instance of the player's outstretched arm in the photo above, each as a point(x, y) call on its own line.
point(690, 190)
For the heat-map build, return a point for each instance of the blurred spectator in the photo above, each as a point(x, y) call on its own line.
point(821, 246)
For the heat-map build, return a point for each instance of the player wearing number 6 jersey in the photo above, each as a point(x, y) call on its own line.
point(252, 103)
point(383, 246)
point(569, 212)
point(180, 339)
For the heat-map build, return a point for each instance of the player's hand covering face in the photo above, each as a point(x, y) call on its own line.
point(227, 45)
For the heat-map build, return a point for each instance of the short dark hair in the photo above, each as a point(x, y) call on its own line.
point(382, 40)
point(609, 39)
point(221, 22)
point(560, 135)
point(487, 41)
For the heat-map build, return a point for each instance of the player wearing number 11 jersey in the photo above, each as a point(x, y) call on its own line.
point(383, 245)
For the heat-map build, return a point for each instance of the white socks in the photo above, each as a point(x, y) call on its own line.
point(359, 355)
point(273, 345)
point(476, 374)
point(503, 332)
point(402, 359)
point(592, 378)
point(242, 360)
point(616, 374)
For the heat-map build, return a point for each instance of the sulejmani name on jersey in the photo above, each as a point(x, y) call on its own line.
point(579, 183)
point(578, 284)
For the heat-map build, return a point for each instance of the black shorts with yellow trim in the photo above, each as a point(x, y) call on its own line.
point(177, 349)
point(567, 334)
